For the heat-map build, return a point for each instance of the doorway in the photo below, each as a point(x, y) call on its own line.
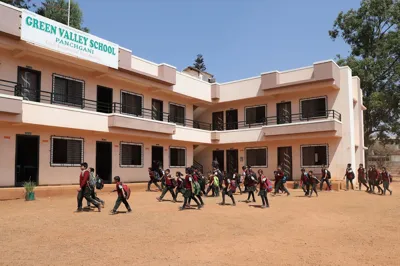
point(104, 160)
point(232, 161)
point(157, 110)
point(104, 99)
point(29, 84)
point(284, 112)
point(157, 154)
point(218, 121)
point(285, 161)
point(231, 119)
point(26, 159)
point(219, 156)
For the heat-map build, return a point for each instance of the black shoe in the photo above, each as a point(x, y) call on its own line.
point(79, 210)
point(130, 210)
point(113, 212)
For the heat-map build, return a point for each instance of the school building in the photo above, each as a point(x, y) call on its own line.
point(67, 96)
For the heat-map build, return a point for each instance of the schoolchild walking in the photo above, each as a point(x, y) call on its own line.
point(265, 184)
point(349, 175)
point(279, 179)
point(386, 180)
point(153, 179)
point(196, 187)
point(371, 181)
point(377, 180)
point(305, 182)
point(169, 186)
point(123, 193)
point(179, 184)
point(188, 192)
point(238, 180)
point(92, 186)
point(362, 179)
point(243, 177)
point(84, 190)
point(325, 178)
point(251, 184)
point(313, 183)
point(229, 188)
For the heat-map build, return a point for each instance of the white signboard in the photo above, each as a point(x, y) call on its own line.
point(53, 35)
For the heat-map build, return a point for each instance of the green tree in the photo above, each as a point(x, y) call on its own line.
point(20, 3)
point(199, 63)
point(372, 31)
point(58, 11)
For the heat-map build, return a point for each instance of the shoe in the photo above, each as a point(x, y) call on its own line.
point(79, 210)
point(130, 210)
point(263, 207)
point(174, 200)
point(391, 193)
point(181, 208)
point(199, 207)
point(99, 208)
point(103, 203)
point(233, 204)
point(288, 194)
point(113, 212)
point(222, 203)
point(159, 199)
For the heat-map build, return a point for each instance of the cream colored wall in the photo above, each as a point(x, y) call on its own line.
point(192, 87)
point(143, 65)
point(69, 175)
point(295, 75)
point(242, 89)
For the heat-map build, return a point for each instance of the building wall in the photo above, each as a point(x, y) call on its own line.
point(69, 175)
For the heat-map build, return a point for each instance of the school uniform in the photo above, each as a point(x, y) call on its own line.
point(251, 186)
point(238, 181)
point(198, 196)
point(349, 178)
point(313, 183)
point(375, 177)
point(386, 179)
point(229, 189)
point(168, 187)
point(153, 180)
point(305, 183)
point(179, 187)
point(85, 191)
point(279, 175)
point(120, 198)
point(362, 179)
point(262, 180)
point(188, 192)
point(325, 178)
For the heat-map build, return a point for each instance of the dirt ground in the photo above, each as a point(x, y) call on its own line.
point(337, 228)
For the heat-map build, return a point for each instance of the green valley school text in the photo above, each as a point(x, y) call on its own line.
point(69, 38)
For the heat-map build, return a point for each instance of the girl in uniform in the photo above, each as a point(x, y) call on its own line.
point(262, 180)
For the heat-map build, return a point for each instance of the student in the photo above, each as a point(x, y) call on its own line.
point(92, 186)
point(262, 180)
point(84, 190)
point(279, 175)
point(361, 177)
point(153, 179)
point(244, 178)
point(238, 180)
point(188, 194)
point(378, 180)
point(216, 184)
point(313, 183)
point(197, 187)
point(210, 184)
point(202, 181)
point(386, 179)
point(228, 189)
point(371, 181)
point(305, 182)
point(349, 177)
point(179, 184)
point(121, 196)
point(251, 184)
point(168, 186)
point(326, 176)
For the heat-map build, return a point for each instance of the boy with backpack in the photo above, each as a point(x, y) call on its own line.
point(179, 184)
point(313, 183)
point(386, 179)
point(362, 180)
point(326, 177)
point(305, 182)
point(123, 192)
point(238, 180)
point(92, 186)
point(196, 187)
point(265, 187)
point(349, 175)
point(188, 190)
point(229, 189)
point(280, 179)
point(153, 179)
point(251, 184)
point(84, 190)
point(168, 186)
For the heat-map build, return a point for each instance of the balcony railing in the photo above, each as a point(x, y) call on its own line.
point(13, 88)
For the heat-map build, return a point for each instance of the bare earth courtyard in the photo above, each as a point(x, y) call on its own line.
point(337, 228)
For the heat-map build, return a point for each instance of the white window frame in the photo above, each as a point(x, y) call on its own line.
point(258, 148)
point(254, 106)
point(53, 100)
point(66, 164)
point(313, 98)
point(184, 112)
point(141, 155)
point(314, 145)
point(135, 94)
point(169, 154)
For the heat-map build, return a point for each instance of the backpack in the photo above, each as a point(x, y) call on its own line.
point(216, 181)
point(99, 183)
point(284, 179)
point(328, 174)
point(196, 188)
point(92, 180)
point(126, 191)
point(269, 185)
point(220, 175)
point(233, 185)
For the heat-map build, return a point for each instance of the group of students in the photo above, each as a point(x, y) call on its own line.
point(369, 179)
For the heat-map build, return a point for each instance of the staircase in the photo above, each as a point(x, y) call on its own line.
point(198, 165)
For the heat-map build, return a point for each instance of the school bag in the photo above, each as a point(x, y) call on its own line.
point(216, 181)
point(269, 185)
point(126, 191)
point(196, 188)
point(328, 174)
point(99, 183)
point(284, 179)
point(233, 186)
point(92, 180)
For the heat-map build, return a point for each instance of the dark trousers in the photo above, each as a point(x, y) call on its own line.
point(86, 193)
point(371, 186)
point(170, 189)
point(362, 182)
point(386, 187)
point(152, 181)
point(94, 196)
point(305, 188)
point(239, 187)
point(229, 193)
point(280, 185)
point(348, 180)
point(313, 189)
point(118, 202)
point(328, 183)
point(199, 199)
point(189, 196)
point(177, 191)
point(377, 185)
point(264, 198)
point(251, 194)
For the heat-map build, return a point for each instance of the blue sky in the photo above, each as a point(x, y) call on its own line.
point(238, 38)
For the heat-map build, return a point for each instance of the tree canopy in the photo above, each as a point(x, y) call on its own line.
point(199, 63)
point(372, 31)
point(20, 3)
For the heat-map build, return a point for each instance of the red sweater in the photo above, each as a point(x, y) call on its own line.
point(84, 178)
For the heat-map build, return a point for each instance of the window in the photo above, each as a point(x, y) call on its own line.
point(66, 151)
point(131, 154)
point(255, 114)
point(131, 103)
point(314, 155)
point(68, 91)
point(313, 108)
point(177, 157)
point(256, 157)
point(177, 114)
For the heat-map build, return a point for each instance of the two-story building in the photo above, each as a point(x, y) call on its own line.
point(67, 97)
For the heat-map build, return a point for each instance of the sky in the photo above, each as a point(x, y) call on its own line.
point(237, 38)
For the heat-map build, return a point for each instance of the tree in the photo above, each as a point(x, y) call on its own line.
point(372, 31)
point(20, 3)
point(58, 11)
point(199, 63)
